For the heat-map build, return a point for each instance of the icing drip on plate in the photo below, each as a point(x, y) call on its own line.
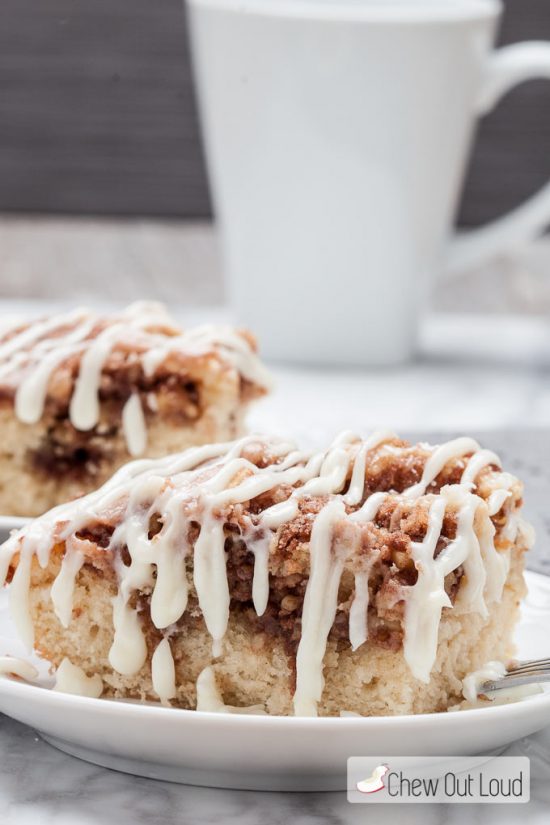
point(196, 489)
point(31, 355)
point(13, 666)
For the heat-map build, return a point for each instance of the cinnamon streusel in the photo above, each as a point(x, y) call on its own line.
point(369, 577)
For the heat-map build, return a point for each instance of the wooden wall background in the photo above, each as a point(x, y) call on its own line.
point(97, 113)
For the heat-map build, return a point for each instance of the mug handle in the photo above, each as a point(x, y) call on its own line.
point(507, 67)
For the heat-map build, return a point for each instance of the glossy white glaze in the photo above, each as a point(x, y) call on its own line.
point(163, 672)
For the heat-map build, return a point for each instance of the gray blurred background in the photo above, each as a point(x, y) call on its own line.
point(97, 114)
point(98, 118)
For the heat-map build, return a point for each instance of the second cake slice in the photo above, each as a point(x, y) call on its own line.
point(81, 393)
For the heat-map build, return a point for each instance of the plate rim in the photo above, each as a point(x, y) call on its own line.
point(14, 522)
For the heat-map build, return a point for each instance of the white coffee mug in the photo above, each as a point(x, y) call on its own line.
point(337, 134)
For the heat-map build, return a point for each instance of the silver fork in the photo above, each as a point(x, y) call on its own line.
point(528, 672)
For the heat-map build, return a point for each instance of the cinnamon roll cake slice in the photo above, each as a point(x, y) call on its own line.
point(368, 578)
point(82, 393)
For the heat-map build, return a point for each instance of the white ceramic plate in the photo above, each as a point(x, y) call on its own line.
point(268, 753)
point(9, 523)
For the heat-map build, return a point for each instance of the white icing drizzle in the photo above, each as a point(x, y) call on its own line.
point(31, 394)
point(169, 599)
point(71, 679)
point(209, 698)
point(128, 652)
point(369, 509)
point(496, 563)
point(478, 462)
point(260, 580)
point(29, 336)
point(358, 628)
point(163, 672)
point(194, 487)
point(62, 590)
point(427, 597)
point(210, 578)
point(356, 488)
point(319, 610)
point(134, 426)
point(13, 666)
point(84, 407)
point(39, 349)
point(496, 500)
point(472, 589)
point(19, 598)
point(438, 459)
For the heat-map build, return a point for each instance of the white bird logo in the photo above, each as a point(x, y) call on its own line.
point(375, 781)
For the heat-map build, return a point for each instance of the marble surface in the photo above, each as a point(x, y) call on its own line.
point(41, 786)
point(499, 389)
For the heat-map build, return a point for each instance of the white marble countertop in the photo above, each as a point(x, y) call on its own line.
point(500, 384)
point(42, 786)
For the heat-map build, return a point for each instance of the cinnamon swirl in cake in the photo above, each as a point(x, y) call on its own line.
point(82, 393)
point(370, 577)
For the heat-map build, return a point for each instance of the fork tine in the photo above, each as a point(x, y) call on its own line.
point(533, 664)
point(523, 662)
point(526, 672)
point(515, 680)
